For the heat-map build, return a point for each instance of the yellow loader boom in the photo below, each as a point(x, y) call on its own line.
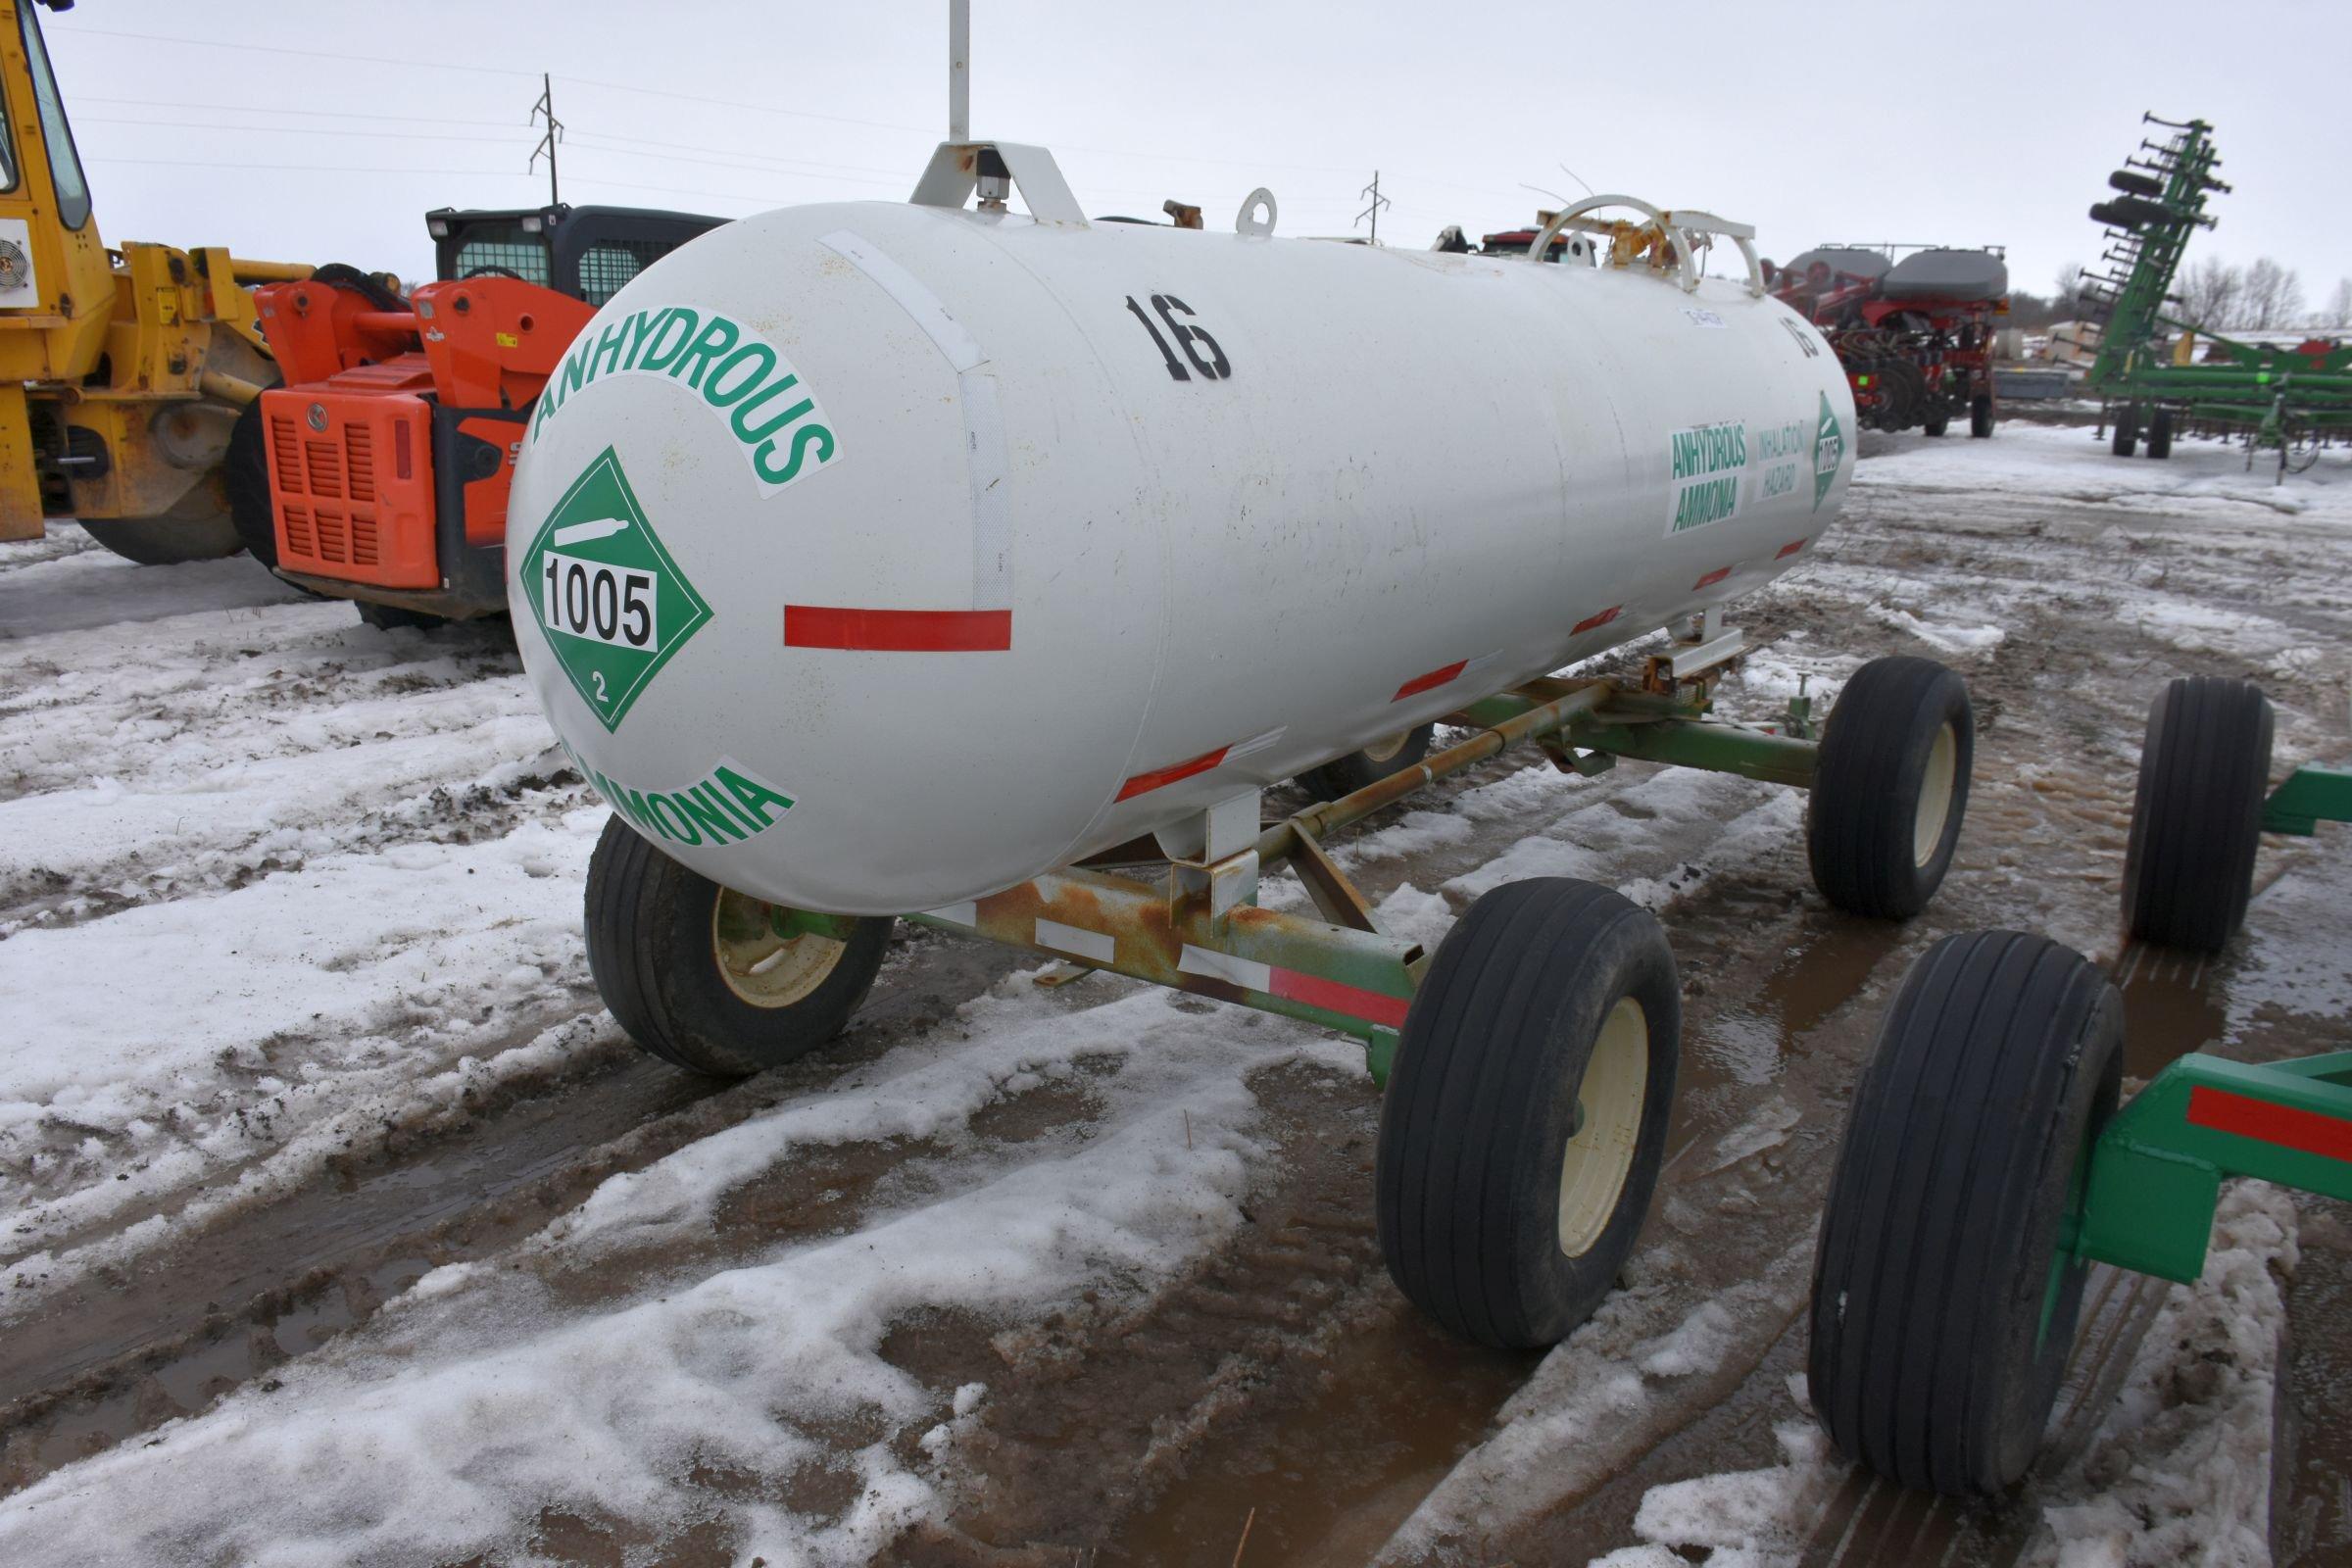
point(121, 371)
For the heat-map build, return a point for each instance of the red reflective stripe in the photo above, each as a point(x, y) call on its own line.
point(905, 631)
point(1436, 678)
point(1153, 780)
point(1712, 578)
point(1333, 996)
point(2259, 1119)
point(1591, 622)
point(1789, 549)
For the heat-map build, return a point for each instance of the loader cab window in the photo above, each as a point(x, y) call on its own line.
point(609, 263)
point(64, 163)
point(500, 250)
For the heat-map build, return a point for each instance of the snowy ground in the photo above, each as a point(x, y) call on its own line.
point(343, 1226)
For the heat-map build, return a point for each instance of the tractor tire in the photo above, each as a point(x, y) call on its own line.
point(694, 974)
point(1942, 1306)
point(165, 541)
point(1937, 426)
point(1980, 416)
point(1891, 787)
point(1525, 1120)
point(2127, 430)
point(2160, 434)
point(1344, 775)
point(2196, 818)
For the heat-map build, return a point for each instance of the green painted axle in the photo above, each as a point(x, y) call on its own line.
point(2309, 797)
point(2157, 1168)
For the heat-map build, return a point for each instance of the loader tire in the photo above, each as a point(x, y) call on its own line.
point(696, 975)
point(245, 472)
point(1942, 1305)
point(165, 541)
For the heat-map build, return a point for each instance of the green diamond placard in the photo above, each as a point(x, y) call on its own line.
point(611, 603)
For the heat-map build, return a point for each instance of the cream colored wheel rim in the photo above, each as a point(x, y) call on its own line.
point(1600, 1155)
point(1382, 751)
point(762, 967)
point(1935, 796)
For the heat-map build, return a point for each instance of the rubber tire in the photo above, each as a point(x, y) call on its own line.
point(1980, 416)
point(1481, 1102)
point(649, 948)
point(2127, 431)
point(165, 541)
point(245, 472)
point(2196, 819)
point(2160, 434)
point(1997, 1065)
point(1867, 782)
point(1937, 426)
point(1344, 775)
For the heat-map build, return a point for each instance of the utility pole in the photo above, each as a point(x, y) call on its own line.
point(959, 71)
point(545, 109)
point(1378, 202)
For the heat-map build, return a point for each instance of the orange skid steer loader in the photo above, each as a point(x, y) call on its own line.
point(389, 449)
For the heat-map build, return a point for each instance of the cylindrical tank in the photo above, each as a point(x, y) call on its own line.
point(986, 544)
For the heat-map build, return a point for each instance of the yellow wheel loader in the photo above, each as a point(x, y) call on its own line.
point(123, 371)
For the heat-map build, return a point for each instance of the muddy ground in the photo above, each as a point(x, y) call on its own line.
point(201, 1264)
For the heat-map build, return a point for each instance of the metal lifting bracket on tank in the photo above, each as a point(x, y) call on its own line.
point(1669, 240)
point(960, 166)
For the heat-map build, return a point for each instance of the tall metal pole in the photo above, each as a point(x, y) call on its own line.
point(1378, 202)
point(546, 107)
point(959, 71)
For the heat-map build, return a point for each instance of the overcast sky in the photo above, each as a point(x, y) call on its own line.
point(1966, 123)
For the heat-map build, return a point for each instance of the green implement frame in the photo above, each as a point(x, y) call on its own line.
point(2156, 1170)
point(2277, 396)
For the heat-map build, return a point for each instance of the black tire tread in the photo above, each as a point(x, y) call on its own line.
point(633, 895)
point(1344, 775)
point(2196, 816)
point(1941, 1198)
point(1474, 1042)
point(1858, 822)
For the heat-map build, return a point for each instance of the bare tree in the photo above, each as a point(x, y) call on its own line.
point(2065, 299)
point(2274, 299)
point(2339, 305)
point(2210, 294)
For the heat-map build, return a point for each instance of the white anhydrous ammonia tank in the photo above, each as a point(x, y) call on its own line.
point(872, 557)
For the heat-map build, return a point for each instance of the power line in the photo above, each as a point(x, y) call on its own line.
point(306, 54)
point(267, 109)
point(298, 130)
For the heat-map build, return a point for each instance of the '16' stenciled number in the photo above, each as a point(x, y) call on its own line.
point(1215, 367)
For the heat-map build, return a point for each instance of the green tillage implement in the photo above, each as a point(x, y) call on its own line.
point(2278, 396)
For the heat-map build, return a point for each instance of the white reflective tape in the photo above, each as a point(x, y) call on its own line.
point(581, 532)
point(1256, 743)
point(1247, 973)
point(1076, 939)
point(1473, 666)
point(992, 491)
point(919, 303)
point(964, 914)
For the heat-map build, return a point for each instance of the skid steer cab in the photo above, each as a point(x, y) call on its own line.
point(378, 472)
